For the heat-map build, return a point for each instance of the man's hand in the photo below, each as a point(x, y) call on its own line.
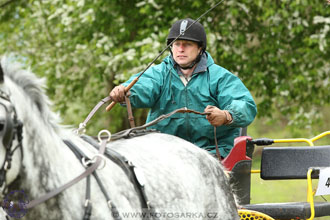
point(217, 116)
point(118, 94)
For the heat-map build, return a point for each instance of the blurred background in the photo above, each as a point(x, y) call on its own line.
point(279, 49)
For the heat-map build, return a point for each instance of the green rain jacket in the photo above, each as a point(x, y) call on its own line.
point(161, 89)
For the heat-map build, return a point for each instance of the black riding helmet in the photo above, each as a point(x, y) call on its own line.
point(195, 33)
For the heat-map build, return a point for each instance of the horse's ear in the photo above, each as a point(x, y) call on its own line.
point(1, 73)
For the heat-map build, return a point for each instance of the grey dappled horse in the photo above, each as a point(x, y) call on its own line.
point(181, 180)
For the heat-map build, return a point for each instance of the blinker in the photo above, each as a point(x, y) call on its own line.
point(6, 123)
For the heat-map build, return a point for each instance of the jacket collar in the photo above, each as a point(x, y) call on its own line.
point(202, 65)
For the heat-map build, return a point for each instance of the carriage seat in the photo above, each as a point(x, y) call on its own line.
point(292, 162)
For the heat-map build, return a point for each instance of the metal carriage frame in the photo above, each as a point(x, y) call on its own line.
point(278, 163)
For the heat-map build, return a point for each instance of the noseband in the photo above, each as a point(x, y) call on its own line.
point(10, 129)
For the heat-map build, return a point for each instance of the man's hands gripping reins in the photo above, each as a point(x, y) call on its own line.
point(217, 117)
point(118, 94)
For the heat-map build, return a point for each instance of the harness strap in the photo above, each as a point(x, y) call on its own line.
point(157, 120)
point(129, 112)
point(94, 110)
point(216, 144)
point(111, 205)
point(18, 126)
point(88, 205)
point(133, 128)
point(129, 169)
point(86, 173)
point(127, 132)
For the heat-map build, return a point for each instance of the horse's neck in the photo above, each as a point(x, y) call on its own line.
point(46, 158)
point(44, 154)
point(41, 134)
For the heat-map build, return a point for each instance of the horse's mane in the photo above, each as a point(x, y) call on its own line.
point(32, 86)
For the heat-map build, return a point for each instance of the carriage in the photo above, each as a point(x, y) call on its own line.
point(280, 163)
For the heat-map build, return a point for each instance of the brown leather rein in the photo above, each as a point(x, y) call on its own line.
point(101, 151)
point(82, 125)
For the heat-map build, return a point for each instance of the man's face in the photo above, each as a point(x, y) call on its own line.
point(184, 52)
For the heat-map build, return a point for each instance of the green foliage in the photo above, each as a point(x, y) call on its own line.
point(86, 47)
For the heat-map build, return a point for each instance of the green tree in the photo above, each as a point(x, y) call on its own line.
point(85, 47)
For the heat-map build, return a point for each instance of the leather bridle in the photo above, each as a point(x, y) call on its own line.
point(10, 129)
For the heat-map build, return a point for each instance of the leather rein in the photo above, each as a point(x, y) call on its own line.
point(82, 126)
point(96, 161)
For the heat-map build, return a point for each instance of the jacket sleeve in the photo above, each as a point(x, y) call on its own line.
point(232, 95)
point(146, 90)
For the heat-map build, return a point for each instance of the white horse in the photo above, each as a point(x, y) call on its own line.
point(182, 181)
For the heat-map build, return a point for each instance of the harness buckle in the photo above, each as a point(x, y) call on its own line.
point(82, 129)
point(86, 163)
point(139, 176)
point(87, 202)
point(148, 204)
point(109, 204)
point(108, 137)
point(102, 157)
point(6, 166)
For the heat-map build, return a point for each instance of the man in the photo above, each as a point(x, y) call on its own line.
point(190, 78)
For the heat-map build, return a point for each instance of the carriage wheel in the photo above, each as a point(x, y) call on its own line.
point(253, 215)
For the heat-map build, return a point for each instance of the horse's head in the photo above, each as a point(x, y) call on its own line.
point(26, 116)
point(10, 137)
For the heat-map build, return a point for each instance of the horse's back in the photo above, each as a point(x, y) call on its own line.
point(180, 177)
